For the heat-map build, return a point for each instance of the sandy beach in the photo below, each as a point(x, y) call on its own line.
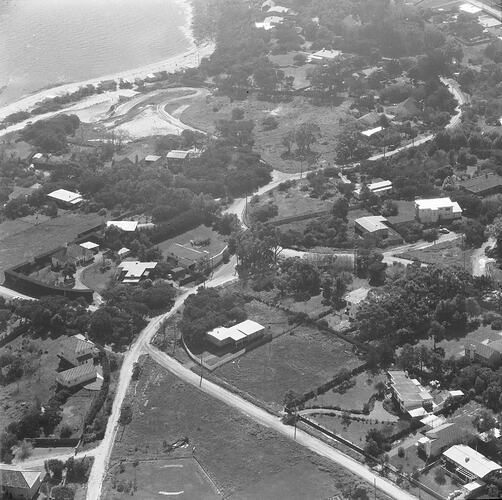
point(189, 59)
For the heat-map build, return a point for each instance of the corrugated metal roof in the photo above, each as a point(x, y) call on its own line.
point(471, 460)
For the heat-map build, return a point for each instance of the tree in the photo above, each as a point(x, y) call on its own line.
point(299, 278)
point(306, 135)
point(66, 431)
point(440, 476)
point(23, 450)
point(474, 233)
point(125, 415)
point(62, 493)
point(54, 468)
point(288, 140)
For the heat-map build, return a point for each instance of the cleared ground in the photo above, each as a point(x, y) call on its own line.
point(287, 362)
point(22, 239)
point(180, 478)
point(204, 111)
point(244, 459)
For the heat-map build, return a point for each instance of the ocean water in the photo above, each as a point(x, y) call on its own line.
point(49, 42)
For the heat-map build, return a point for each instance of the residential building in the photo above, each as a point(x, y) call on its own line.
point(374, 224)
point(484, 352)
point(123, 252)
point(177, 159)
point(73, 254)
point(468, 464)
point(372, 131)
point(378, 187)
point(324, 56)
point(78, 375)
point(77, 351)
point(409, 394)
point(66, 199)
point(353, 299)
point(269, 23)
point(128, 226)
point(438, 438)
point(237, 335)
point(437, 210)
point(482, 185)
point(153, 159)
point(135, 271)
point(19, 484)
point(91, 246)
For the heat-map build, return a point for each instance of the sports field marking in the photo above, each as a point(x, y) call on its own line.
point(173, 465)
point(188, 248)
point(170, 494)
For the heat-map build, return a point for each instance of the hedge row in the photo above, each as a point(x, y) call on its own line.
point(100, 399)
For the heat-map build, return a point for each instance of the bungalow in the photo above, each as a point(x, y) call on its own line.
point(90, 246)
point(372, 131)
point(269, 23)
point(324, 56)
point(409, 394)
point(76, 255)
point(77, 351)
point(482, 185)
point(468, 464)
point(237, 335)
point(485, 352)
point(135, 271)
point(66, 199)
point(123, 252)
point(374, 224)
point(177, 159)
point(128, 226)
point(438, 438)
point(78, 375)
point(153, 159)
point(378, 187)
point(437, 210)
point(19, 484)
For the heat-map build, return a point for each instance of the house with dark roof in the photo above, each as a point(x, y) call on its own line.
point(76, 351)
point(486, 352)
point(78, 375)
point(482, 185)
point(19, 484)
point(440, 437)
point(71, 254)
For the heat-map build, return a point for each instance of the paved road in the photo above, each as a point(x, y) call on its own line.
point(271, 421)
point(9, 294)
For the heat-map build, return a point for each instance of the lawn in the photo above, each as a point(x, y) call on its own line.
point(446, 254)
point(38, 383)
point(204, 111)
point(299, 73)
point(244, 459)
point(288, 362)
point(96, 277)
point(355, 397)
point(22, 239)
point(356, 431)
point(182, 247)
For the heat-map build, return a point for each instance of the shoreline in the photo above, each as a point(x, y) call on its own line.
point(190, 58)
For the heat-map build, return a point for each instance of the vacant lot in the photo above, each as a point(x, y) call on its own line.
point(38, 383)
point(296, 201)
point(24, 238)
point(355, 397)
point(182, 247)
point(182, 478)
point(204, 111)
point(446, 254)
point(244, 459)
point(97, 277)
point(287, 363)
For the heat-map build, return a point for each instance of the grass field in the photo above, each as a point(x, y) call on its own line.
point(446, 254)
point(203, 112)
point(92, 277)
point(244, 459)
point(294, 201)
point(182, 478)
point(355, 397)
point(287, 362)
point(24, 238)
point(181, 246)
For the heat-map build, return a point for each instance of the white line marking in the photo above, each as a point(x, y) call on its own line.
point(174, 493)
point(174, 465)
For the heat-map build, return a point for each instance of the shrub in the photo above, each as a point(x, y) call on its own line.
point(66, 432)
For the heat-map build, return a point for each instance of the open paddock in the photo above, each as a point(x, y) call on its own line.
point(446, 254)
point(244, 459)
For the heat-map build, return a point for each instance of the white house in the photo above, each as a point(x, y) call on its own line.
point(269, 23)
point(236, 335)
point(128, 226)
point(379, 187)
point(324, 55)
point(468, 463)
point(438, 438)
point(135, 271)
point(436, 210)
point(66, 198)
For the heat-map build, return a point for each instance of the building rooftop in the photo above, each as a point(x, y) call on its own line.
point(135, 269)
point(325, 54)
point(371, 131)
point(437, 203)
point(128, 226)
point(86, 369)
point(178, 154)
point(152, 158)
point(470, 460)
point(66, 196)
point(236, 332)
point(15, 478)
point(433, 421)
point(372, 223)
point(487, 349)
point(412, 394)
point(481, 183)
point(469, 8)
point(72, 347)
point(89, 245)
